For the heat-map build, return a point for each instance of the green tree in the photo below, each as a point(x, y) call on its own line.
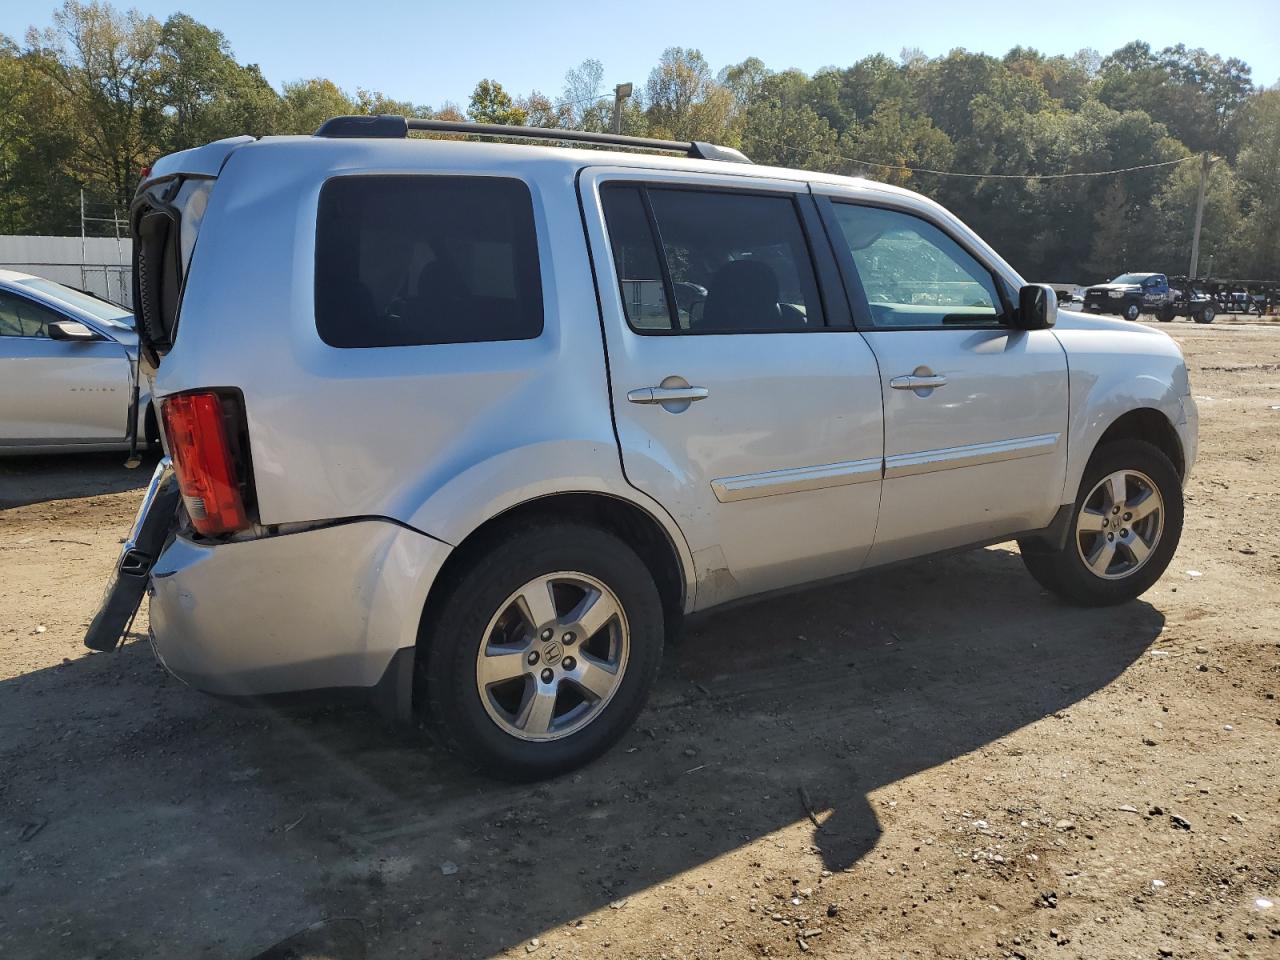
point(1066, 80)
point(37, 147)
point(1195, 94)
point(1116, 244)
point(203, 94)
point(1258, 168)
point(491, 104)
point(684, 102)
point(373, 103)
point(789, 136)
point(1172, 215)
point(306, 104)
point(744, 81)
point(893, 135)
point(870, 82)
point(539, 111)
point(104, 63)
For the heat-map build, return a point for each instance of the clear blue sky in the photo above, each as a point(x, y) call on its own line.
point(430, 52)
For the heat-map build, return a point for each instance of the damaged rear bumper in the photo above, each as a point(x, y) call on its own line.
point(326, 608)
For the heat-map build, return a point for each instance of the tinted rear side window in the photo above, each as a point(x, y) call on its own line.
point(408, 260)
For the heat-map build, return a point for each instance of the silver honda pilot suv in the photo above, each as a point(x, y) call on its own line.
point(471, 426)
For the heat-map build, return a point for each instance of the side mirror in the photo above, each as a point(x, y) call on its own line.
point(71, 330)
point(1037, 307)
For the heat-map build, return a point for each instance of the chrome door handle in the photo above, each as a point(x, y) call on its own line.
point(668, 394)
point(917, 382)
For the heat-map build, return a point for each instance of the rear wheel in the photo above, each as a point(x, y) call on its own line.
point(544, 652)
point(1125, 527)
point(1205, 314)
point(1165, 315)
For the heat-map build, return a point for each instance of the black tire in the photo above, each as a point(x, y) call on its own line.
point(1132, 311)
point(1165, 315)
point(1205, 314)
point(151, 428)
point(477, 591)
point(1063, 570)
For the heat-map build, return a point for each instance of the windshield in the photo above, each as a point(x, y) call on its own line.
point(109, 313)
point(1131, 277)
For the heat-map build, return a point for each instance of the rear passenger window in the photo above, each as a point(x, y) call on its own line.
point(409, 260)
point(721, 262)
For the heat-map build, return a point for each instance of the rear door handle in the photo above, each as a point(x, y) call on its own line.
point(918, 382)
point(668, 394)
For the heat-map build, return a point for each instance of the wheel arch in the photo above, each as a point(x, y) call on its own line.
point(1152, 426)
point(630, 522)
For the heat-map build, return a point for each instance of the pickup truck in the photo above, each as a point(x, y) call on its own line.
point(1132, 294)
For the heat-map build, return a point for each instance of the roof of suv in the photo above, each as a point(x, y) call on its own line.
point(206, 160)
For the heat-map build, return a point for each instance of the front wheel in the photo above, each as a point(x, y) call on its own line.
point(1132, 312)
point(544, 651)
point(1125, 527)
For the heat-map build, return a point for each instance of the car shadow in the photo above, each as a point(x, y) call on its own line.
point(39, 479)
point(197, 826)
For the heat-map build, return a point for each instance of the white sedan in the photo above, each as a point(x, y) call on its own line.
point(68, 362)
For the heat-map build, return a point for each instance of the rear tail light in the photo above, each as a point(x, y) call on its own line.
point(204, 450)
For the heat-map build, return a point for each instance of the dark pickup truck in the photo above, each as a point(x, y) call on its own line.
point(1132, 294)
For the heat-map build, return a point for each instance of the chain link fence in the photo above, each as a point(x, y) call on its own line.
point(99, 265)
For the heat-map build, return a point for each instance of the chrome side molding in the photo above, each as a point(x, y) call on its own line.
point(970, 455)
point(795, 480)
point(773, 483)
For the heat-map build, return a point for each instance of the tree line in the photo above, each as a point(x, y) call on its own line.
point(101, 93)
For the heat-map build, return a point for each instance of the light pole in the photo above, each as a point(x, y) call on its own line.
point(620, 93)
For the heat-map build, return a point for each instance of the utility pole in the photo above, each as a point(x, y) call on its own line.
point(1195, 236)
point(620, 93)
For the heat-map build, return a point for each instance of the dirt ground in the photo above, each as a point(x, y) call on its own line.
point(991, 773)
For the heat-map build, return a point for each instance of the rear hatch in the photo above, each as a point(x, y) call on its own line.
point(202, 425)
point(165, 219)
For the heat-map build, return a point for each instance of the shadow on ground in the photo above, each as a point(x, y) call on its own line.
point(39, 479)
point(168, 824)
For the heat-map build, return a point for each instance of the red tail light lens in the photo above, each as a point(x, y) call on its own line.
point(204, 462)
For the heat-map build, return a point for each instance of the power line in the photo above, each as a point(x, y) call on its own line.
point(573, 103)
point(980, 176)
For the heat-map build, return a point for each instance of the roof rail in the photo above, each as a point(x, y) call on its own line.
point(393, 127)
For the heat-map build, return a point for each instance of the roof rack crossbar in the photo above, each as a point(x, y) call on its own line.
point(388, 126)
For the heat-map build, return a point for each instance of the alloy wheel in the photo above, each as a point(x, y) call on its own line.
point(553, 656)
point(1120, 524)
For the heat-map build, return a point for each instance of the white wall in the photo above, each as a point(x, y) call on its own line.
point(102, 266)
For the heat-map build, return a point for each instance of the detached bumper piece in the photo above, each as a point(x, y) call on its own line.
point(128, 583)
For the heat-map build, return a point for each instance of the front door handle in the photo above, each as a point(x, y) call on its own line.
point(918, 382)
point(668, 394)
